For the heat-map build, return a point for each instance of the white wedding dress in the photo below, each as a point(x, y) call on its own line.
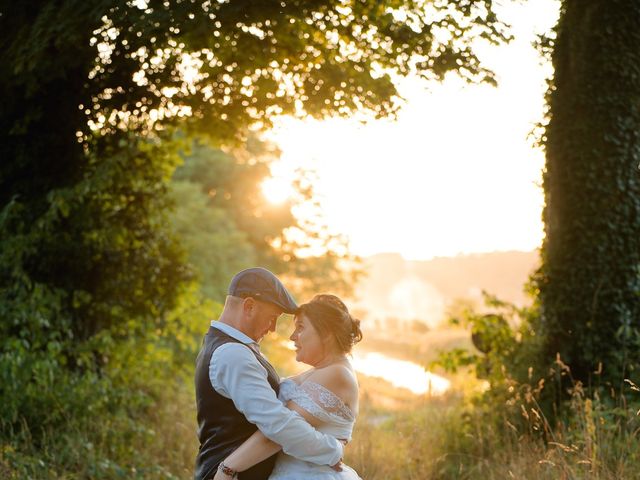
point(337, 420)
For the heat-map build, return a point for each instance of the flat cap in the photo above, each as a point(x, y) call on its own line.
point(261, 284)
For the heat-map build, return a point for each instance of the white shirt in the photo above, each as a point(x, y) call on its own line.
point(235, 373)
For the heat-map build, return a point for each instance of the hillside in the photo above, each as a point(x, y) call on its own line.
point(395, 288)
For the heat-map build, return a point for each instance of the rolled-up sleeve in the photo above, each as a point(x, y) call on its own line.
point(236, 374)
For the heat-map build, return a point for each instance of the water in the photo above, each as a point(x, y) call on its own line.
point(400, 373)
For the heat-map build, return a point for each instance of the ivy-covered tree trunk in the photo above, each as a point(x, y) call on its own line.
point(590, 279)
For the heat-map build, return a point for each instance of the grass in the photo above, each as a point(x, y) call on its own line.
point(451, 437)
point(398, 435)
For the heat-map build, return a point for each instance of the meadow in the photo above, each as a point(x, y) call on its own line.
point(399, 435)
point(470, 433)
point(466, 434)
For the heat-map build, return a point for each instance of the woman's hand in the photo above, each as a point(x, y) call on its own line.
point(223, 472)
point(221, 476)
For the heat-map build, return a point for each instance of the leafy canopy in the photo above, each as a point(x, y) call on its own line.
point(93, 93)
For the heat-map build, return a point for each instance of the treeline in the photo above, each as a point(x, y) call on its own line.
point(220, 214)
point(111, 290)
point(130, 191)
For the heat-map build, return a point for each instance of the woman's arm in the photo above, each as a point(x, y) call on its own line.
point(255, 449)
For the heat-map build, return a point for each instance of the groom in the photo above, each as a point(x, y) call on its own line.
point(236, 387)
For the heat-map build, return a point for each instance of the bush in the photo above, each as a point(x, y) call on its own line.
point(130, 415)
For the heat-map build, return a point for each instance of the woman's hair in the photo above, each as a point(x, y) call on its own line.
point(330, 317)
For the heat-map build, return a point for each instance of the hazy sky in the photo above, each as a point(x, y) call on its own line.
point(454, 174)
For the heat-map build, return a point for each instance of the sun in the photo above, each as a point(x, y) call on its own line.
point(277, 190)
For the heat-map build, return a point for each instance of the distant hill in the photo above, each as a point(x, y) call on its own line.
point(423, 290)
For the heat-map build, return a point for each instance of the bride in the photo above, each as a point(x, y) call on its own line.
point(326, 395)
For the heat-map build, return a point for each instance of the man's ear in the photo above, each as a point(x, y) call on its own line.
point(248, 305)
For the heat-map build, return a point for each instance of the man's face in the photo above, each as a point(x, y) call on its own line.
point(262, 317)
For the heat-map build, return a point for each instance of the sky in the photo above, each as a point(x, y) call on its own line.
point(455, 173)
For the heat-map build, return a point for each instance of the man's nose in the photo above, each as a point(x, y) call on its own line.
point(292, 337)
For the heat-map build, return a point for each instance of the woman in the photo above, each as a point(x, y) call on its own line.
point(325, 395)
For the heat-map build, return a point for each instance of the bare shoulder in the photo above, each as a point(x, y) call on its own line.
point(300, 377)
point(339, 379)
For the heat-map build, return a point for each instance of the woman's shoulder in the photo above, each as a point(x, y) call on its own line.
point(334, 374)
point(339, 374)
point(339, 379)
point(299, 377)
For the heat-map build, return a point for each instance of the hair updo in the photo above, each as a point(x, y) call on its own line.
point(331, 318)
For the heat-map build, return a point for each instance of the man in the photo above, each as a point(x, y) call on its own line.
point(236, 387)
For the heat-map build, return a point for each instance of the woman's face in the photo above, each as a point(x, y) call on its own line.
point(310, 348)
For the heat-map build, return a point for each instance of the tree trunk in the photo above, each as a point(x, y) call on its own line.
point(589, 282)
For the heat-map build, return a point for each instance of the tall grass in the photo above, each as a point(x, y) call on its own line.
point(500, 436)
point(133, 432)
point(144, 426)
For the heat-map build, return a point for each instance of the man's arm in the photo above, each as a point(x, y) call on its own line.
point(236, 374)
point(258, 447)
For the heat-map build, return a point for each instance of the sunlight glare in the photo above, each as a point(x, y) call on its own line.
point(455, 173)
point(400, 373)
point(277, 190)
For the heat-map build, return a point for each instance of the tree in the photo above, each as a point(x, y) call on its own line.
point(217, 249)
point(92, 87)
point(93, 93)
point(222, 218)
point(589, 283)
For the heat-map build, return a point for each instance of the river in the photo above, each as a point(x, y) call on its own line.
point(399, 373)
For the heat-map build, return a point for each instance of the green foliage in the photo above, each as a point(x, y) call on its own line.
point(596, 440)
point(99, 248)
point(91, 275)
point(81, 80)
point(95, 293)
point(586, 330)
point(506, 345)
point(217, 249)
point(81, 190)
point(254, 60)
point(535, 419)
point(125, 420)
point(241, 225)
point(589, 282)
point(232, 182)
point(224, 222)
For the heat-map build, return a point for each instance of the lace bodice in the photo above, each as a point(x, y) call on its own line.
point(336, 417)
point(337, 420)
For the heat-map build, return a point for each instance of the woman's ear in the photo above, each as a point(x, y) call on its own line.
point(330, 343)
